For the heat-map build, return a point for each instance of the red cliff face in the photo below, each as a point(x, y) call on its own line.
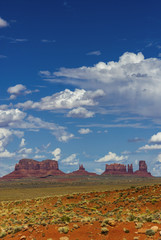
point(120, 169)
point(31, 168)
point(115, 169)
point(142, 170)
point(82, 171)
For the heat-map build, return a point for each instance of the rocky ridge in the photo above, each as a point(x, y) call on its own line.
point(82, 171)
point(120, 169)
point(28, 168)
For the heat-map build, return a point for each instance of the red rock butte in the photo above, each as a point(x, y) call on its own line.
point(31, 168)
point(120, 169)
point(82, 171)
point(28, 168)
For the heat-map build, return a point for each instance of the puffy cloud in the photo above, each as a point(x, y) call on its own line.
point(5, 135)
point(64, 100)
point(6, 154)
point(80, 112)
point(3, 23)
point(84, 131)
point(156, 138)
point(18, 90)
point(57, 154)
point(150, 147)
point(10, 116)
point(111, 157)
point(132, 84)
point(71, 160)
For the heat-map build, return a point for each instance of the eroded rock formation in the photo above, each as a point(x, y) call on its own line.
point(120, 169)
point(32, 168)
point(82, 171)
point(142, 170)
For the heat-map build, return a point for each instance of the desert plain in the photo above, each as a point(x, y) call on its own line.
point(78, 208)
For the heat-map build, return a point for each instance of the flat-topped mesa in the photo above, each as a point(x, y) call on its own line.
point(120, 169)
point(32, 168)
point(115, 169)
point(82, 171)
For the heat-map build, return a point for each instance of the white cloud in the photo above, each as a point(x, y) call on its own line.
point(150, 147)
point(159, 158)
point(58, 131)
point(6, 154)
point(47, 41)
point(45, 73)
point(156, 138)
point(96, 53)
point(11, 116)
point(64, 100)
point(84, 131)
point(18, 90)
point(71, 160)
point(3, 23)
point(98, 170)
point(39, 156)
point(111, 157)
point(5, 135)
point(22, 144)
point(80, 112)
point(25, 150)
point(57, 154)
point(132, 84)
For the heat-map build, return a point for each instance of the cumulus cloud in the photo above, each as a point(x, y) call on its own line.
point(66, 99)
point(18, 90)
point(156, 138)
point(132, 84)
point(57, 154)
point(84, 131)
point(111, 157)
point(5, 137)
point(6, 154)
point(80, 112)
point(3, 23)
point(71, 160)
point(10, 116)
point(150, 147)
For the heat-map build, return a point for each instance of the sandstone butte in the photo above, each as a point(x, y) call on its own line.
point(120, 169)
point(82, 171)
point(28, 168)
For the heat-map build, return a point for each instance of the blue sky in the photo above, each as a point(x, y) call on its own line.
point(80, 83)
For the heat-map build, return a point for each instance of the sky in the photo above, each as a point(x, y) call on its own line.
point(80, 83)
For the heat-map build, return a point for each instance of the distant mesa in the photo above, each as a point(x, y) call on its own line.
point(27, 168)
point(120, 169)
point(82, 171)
